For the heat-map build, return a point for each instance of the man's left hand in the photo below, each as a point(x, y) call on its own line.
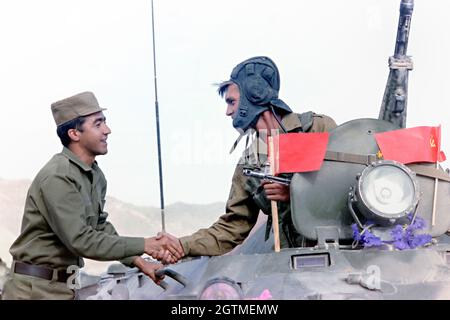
point(149, 268)
point(276, 191)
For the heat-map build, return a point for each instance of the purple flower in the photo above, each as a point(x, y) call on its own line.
point(397, 233)
point(401, 245)
point(368, 239)
point(405, 238)
point(418, 224)
point(420, 240)
point(402, 237)
point(371, 240)
point(356, 234)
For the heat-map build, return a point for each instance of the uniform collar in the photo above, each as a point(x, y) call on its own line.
point(291, 122)
point(75, 159)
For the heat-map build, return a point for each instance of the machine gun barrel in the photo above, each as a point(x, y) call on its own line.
point(404, 23)
point(267, 177)
point(394, 105)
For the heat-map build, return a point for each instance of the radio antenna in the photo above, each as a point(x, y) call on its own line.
point(161, 189)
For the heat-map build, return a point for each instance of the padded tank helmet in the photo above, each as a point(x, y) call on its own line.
point(258, 80)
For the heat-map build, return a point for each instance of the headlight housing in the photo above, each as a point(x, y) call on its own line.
point(386, 191)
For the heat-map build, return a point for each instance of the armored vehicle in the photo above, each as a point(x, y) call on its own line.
point(376, 228)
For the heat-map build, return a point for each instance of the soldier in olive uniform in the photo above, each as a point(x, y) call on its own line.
point(252, 101)
point(64, 220)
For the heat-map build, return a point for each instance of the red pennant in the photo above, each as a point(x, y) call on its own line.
point(419, 144)
point(299, 152)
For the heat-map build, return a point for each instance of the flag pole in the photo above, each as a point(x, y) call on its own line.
point(433, 215)
point(275, 223)
point(436, 180)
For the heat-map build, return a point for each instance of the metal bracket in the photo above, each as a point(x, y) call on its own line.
point(327, 237)
point(405, 63)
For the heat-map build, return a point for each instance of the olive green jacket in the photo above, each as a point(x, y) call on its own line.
point(247, 198)
point(64, 220)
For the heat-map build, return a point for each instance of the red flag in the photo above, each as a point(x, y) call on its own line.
point(419, 144)
point(299, 152)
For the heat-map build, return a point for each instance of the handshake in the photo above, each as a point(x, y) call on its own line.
point(164, 247)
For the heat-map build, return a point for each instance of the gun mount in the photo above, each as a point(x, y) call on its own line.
point(394, 106)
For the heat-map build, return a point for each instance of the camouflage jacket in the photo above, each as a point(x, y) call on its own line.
point(247, 198)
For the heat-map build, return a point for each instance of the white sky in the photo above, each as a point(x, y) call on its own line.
point(332, 57)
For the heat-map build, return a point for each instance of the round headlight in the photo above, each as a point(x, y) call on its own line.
point(221, 289)
point(387, 191)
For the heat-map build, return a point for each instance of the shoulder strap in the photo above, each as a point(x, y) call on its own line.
point(306, 120)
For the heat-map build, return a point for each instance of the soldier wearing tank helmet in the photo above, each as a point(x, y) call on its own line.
point(251, 95)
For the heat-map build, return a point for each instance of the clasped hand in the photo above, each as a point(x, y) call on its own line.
point(164, 247)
